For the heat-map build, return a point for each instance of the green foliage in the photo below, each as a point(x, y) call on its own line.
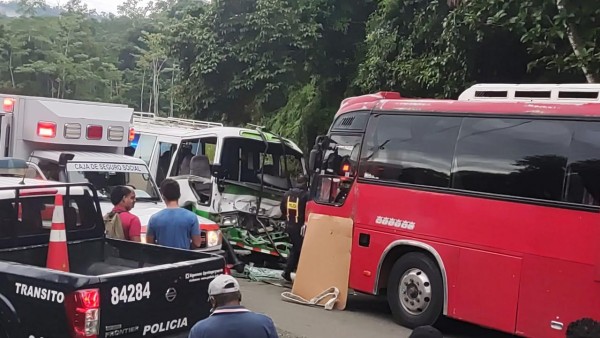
point(239, 56)
point(260, 60)
point(288, 64)
point(428, 49)
point(80, 55)
point(292, 120)
point(30, 7)
point(407, 50)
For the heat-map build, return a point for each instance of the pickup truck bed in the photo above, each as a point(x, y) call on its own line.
point(133, 279)
point(102, 256)
point(118, 288)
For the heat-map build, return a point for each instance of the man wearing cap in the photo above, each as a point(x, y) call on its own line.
point(229, 319)
point(293, 208)
point(584, 328)
point(426, 331)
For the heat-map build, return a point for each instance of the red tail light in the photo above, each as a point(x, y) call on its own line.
point(83, 311)
point(46, 129)
point(94, 132)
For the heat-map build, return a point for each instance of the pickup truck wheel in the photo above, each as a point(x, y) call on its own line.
point(415, 290)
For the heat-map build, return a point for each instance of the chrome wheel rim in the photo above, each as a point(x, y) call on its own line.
point(415, 291)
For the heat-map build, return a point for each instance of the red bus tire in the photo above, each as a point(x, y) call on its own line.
point(415, 290)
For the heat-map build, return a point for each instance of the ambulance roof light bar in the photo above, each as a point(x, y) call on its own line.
point(13, 167)
point(13, 163)
point(152, 119)
point(72, 130)
point(8, 105)
point(46, 129)
point(94, 132)
point(549, 93)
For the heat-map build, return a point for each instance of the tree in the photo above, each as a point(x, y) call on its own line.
point(560, 35)
point(29, 8)
point(333, 56)
point(438, 48)
point(11, 50)
point(238, 57)
point(288, 64)
point(579, 45)
point(78, 7)
point(154, 58)
point(408, 50)
point(133, 10)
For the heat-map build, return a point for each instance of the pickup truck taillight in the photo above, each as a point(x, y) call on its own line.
point(83, 311)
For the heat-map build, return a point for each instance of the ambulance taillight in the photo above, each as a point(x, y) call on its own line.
point(8, 105)
point(46, 129)
point(94, 132)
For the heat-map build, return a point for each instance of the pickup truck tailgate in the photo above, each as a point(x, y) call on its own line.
point(154, 302)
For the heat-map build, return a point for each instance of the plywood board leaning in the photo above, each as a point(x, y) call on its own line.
point(325, 258)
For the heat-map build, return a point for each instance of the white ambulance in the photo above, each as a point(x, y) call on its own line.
point(226, 172)
point(78, 141)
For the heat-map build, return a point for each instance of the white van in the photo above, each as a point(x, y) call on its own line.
point(225, 171)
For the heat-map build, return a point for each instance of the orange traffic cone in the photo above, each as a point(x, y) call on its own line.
point(58, 256)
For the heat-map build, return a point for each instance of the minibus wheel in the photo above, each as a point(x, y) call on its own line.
point(415, 290)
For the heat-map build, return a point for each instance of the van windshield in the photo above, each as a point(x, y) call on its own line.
point(119, 174)
point(242, 159)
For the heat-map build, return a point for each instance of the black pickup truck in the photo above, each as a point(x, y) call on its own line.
point(113, 288)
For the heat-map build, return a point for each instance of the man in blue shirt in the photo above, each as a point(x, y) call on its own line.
point(174, 226)
point(229, 319)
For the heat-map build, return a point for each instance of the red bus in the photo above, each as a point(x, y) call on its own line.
point(484, 210)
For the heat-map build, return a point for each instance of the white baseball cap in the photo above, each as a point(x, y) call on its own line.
point(223, 284)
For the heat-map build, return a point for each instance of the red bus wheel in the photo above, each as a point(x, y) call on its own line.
point(415, 290)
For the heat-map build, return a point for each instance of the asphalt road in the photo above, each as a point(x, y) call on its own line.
point(365, 316)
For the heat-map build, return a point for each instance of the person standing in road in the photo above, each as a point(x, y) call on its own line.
point(229, 319)
point(123, 199)
point(174, 226)
point(293, 207)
